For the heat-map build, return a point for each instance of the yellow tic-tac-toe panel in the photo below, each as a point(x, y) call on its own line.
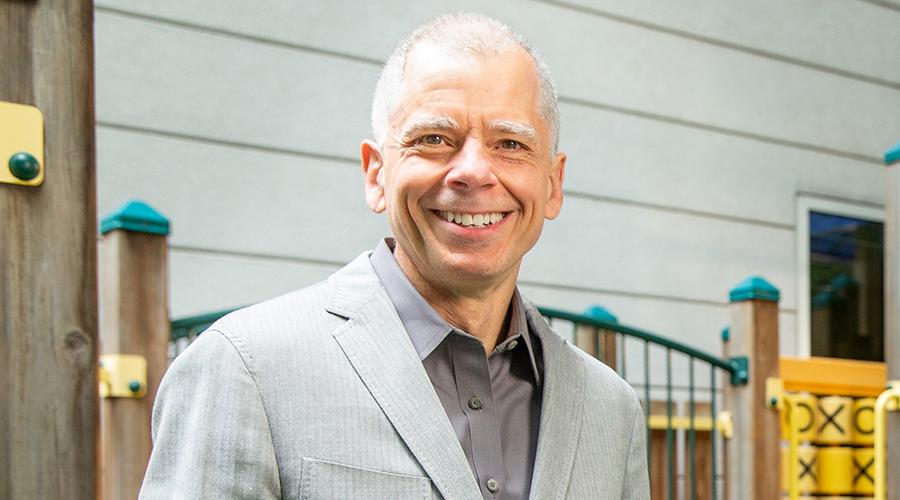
point(21, 144)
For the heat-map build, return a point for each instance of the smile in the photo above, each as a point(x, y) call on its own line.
point(471, 220)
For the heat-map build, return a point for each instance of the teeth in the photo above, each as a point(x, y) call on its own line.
point(470, 220)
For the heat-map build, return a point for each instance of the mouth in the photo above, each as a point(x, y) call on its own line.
point(472, 220)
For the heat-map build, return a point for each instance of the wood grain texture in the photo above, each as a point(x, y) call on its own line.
point(134, 320)
point(660, 476)
point(753, 454)
point(608, 349)
point(586, 340)
point(48, 305)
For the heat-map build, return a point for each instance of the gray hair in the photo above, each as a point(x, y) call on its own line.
point(461, 33)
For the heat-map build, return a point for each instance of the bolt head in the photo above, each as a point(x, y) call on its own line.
point(24, 166)
point(134, 386)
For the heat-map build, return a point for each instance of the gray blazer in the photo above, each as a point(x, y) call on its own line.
point(320, 394)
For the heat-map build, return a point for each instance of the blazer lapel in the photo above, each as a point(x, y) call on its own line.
point(561, 412)
point(378, 347)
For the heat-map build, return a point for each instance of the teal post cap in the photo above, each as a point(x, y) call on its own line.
point(601, 313)
point(726, 334)
point(892, 155)
point(135, 216)
point(754, 288)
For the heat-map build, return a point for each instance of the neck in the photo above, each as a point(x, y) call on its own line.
point(480, 311)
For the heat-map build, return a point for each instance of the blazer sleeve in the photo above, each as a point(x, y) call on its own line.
point(637, 478)
point(211, 436)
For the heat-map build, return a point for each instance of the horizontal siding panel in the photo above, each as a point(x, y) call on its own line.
point(203, 282)
point(165, 78)
point(230, 199)
point(827, 33)
point(646, 161)
point(594, 59)
point(604, 246)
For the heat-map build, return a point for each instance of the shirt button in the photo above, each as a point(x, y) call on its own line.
point(476, 403)
point(493, 485)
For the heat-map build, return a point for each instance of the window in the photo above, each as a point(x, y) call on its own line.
point(842, 280)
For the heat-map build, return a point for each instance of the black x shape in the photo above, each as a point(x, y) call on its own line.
point(807, 469)
point(830, 419)
point(863, 471)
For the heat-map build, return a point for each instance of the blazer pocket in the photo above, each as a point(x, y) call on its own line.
point(321, 479)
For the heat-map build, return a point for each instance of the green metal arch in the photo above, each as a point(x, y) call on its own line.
point(735, 366)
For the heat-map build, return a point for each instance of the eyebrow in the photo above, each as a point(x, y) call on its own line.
point(514, 128)
point(428, 122)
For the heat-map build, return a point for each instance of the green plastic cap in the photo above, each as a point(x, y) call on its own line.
point(754, 288)
point(892, 155)
point(135, 216)
point(601, 313)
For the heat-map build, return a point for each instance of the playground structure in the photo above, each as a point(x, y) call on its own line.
point(715, 424)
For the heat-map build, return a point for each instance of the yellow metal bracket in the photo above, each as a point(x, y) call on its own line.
point(774, 393)
point(889, 400)
point(123, 376)
point(21, 144)
point(724, 423)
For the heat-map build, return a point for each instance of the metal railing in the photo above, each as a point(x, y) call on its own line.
point(714, 423)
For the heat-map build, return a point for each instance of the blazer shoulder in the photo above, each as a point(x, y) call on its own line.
point(285, 323)
point(306, 302)
point(600, 378)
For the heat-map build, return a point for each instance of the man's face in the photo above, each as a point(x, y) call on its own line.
point(465, 173)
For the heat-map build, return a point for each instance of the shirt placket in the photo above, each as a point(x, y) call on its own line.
point(476, 398)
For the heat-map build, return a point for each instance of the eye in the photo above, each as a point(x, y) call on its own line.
point(511, 145)
point(432, 140)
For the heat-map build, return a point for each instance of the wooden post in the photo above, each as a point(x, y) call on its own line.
point(892, 311)
point(598, 342)
point(48, 284)
point(134, 320)
point(752, 456)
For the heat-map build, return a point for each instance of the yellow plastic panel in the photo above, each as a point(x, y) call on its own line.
point(828, 376)
point(21, 131)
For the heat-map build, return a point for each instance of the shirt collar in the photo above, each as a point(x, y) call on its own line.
point(425, 327)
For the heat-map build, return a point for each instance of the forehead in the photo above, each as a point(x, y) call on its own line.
point(501, 84)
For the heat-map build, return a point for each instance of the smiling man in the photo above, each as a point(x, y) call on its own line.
point(417, 371)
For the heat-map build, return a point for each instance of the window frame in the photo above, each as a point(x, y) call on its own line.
point(805, 205)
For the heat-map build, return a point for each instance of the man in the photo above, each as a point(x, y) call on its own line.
point(417, 371)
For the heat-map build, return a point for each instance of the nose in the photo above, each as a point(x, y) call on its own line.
point(471, 167)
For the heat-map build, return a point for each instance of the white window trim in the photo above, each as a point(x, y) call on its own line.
point(805, 205)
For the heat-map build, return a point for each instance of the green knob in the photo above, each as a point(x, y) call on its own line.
point(134, 385)
point(24, 166)
point(773, 402)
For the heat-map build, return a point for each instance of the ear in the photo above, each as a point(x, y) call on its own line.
point(554, 188)
point(373, 166)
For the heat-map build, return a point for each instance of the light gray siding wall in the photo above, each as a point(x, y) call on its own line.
point(691, 129)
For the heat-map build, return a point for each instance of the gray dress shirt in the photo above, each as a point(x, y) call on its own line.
point(493, 402)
